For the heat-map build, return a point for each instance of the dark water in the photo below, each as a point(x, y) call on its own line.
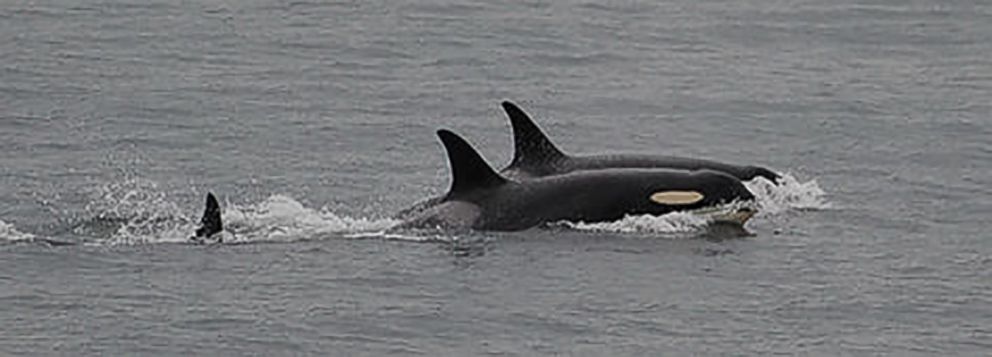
point(313, 121)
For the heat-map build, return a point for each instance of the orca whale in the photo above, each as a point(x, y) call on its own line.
point(482, 199)
point(534, 155)
point(211, 228)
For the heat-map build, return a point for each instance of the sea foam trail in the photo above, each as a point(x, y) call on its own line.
point(136, 211)
point(278, 218)
point(281, 218)
point(139, 212)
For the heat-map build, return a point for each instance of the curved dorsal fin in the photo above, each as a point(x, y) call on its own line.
point(210, 223)
point(469, 171)
point(530, 146)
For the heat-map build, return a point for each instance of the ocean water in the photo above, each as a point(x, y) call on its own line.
point(314, 121)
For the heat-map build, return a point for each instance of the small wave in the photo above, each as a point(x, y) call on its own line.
point(411, 236)
point(9, 233)
point(281, 218)
point(789, 194)
point(673, 223)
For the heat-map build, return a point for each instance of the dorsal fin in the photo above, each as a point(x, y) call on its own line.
point(530, 146)
point(469, 170)
point(210, 224)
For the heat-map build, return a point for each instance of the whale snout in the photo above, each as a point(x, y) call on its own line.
point(722, 188)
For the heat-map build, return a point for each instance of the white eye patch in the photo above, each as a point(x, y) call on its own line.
point(676, 197)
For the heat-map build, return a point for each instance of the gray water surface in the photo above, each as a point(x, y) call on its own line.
point(314, 122)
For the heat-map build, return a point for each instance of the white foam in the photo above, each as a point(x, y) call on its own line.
point(789, 194)
point(423, 237)
point(675, 222)
point(147, 215)
point(281, 218)
point(278, 218)
point(9, 233)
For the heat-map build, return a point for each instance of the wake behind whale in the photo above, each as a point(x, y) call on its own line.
point(154, 216)
point(541, 186)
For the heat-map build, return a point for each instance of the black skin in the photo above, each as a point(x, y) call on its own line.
point(211, 223)
point(568, 164)
point(597, 196)
point(481, 199)
point(628, 163)
point(536, 156)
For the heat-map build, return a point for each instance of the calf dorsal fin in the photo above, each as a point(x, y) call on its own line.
point(531, 148)
point(469, 171)
point(210, 224)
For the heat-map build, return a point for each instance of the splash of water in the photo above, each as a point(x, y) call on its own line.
point(9, 233)
point(141, 211)
point(675, 222)
point(789, 194)
point(281, 218)
point(147, 215)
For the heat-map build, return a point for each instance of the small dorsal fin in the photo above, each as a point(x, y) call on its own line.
point(530, 146)
point(210, 224)
point(469, 170)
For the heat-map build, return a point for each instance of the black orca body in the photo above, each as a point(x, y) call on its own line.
point(211, 228)
point(482, 199)
point(536, 156)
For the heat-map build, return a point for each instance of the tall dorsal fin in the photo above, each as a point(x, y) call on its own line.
point(210, 224)
point(469, 171)
point(530, 146)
